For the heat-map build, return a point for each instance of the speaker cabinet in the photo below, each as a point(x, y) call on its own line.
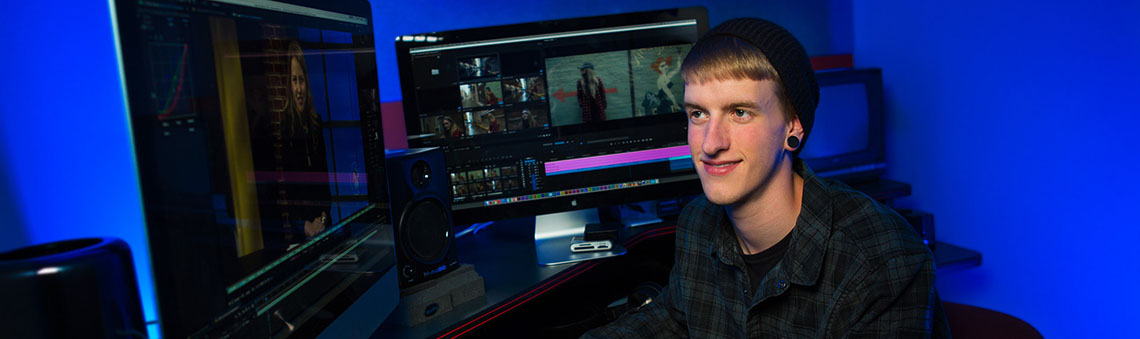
point(421, 212)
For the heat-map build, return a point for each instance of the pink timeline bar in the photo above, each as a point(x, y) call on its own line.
point(610, 160)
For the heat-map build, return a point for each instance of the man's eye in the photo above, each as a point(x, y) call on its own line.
point(740, 113)
point(696, 114)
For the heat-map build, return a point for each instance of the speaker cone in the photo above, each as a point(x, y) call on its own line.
point(426, 230)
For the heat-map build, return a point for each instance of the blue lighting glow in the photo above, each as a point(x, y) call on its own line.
point(1013, 122)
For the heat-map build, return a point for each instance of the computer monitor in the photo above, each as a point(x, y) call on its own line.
point(553, 116)
point(846, 141)
point(255, 125)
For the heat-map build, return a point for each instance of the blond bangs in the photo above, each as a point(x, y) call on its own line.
point(728, 58)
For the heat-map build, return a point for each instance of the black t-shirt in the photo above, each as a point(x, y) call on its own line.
point(760, 263)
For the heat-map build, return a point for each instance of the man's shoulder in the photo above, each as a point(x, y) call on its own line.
point(698, 218)
point(873, 230)
point(700, 209)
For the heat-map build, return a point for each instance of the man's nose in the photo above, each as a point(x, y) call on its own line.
point(716, 138)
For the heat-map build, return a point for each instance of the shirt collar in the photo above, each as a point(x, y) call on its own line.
point(724, 246)
point(804, 257)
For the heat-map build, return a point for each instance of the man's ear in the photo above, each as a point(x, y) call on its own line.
point(794, 129)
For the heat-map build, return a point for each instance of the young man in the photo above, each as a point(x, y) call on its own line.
point(772, 250)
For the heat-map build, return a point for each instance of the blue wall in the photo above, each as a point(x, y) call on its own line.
point(66, 162)
point(1016, 126)
point(66, 169)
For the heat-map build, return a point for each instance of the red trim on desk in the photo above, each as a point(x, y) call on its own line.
point(495, 313)
point(557, 280)
point(649, 234)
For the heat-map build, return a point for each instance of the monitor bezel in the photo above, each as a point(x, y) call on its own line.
point(869, 162)
point(686, 187)
point(371, 298)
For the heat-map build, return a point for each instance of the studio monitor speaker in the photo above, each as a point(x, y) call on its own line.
point(420, 196)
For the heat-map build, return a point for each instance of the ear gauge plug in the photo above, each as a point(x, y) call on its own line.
point(793, 142)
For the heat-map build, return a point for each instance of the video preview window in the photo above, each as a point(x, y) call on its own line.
point(523, 118)
point(520, 90)
point(596, 87)
point(487, 121)
point(481, 94)
point(293, 82)
point(657, 84)
point(445, 126)
point(471, 68)
point(589, 88)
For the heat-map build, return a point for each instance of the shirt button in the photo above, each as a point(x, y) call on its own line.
point(782, 284)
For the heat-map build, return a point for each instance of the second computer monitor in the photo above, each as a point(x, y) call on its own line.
point(554, 116)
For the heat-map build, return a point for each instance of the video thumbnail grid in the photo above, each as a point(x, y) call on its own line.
point(484, 181)
point(494, 95)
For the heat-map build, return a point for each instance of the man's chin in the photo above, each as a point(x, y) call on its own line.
point(721, 198)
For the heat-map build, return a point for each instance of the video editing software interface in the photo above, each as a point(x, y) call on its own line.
point(260, 161)
point(553, 114)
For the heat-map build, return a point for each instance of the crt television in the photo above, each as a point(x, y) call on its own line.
point(846, 141)
point(553, 116)
point(256, 131)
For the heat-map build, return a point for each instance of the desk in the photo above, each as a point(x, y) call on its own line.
point(519, 290)
point(513, 278)
point(503, 254)
point(951, 257)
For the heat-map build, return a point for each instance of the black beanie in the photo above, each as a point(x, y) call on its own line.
point(787, 56)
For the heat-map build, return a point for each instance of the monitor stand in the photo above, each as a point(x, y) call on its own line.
point(554, 232)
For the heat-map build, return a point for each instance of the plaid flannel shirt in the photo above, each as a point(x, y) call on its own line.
point(853, 268)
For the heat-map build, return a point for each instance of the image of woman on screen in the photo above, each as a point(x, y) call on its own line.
point(300, 195)
point(528, 120)
point(537, 90)
point(491, 122)
point(489, 97)
point(448, 127)
point(667, 102)
point(591, 95)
